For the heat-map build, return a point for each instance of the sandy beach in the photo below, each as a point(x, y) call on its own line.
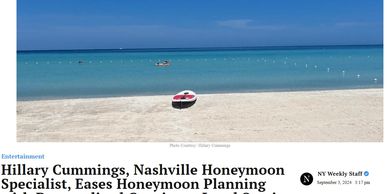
point(309, 116)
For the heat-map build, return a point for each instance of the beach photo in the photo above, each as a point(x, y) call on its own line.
point(199, 71)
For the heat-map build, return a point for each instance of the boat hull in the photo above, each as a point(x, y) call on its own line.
point(184, 99)
point(180, 105)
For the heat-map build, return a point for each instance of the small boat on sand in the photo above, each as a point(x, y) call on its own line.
point(184, 99)
point(163, 64)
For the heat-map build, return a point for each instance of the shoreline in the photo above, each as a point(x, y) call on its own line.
point(351, 115)
point(206, 93)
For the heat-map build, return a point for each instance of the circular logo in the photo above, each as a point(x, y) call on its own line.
point(366, 173)
point(306, 178)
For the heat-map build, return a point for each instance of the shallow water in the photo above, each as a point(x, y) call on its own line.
point(58, 74)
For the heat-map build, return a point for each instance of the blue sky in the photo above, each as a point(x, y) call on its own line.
point(95, 24)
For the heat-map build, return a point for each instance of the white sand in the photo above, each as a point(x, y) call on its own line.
point(338, 115)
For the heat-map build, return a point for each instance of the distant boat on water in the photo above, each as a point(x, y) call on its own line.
point(163, 64)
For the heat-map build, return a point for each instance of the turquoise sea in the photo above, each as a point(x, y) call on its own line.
point(128, 72)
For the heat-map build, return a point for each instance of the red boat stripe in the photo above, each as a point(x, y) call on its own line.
point(183, 96)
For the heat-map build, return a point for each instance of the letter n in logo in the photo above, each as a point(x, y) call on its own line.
point(306, 178)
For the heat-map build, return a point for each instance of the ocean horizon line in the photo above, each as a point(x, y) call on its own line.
point(177, 49)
